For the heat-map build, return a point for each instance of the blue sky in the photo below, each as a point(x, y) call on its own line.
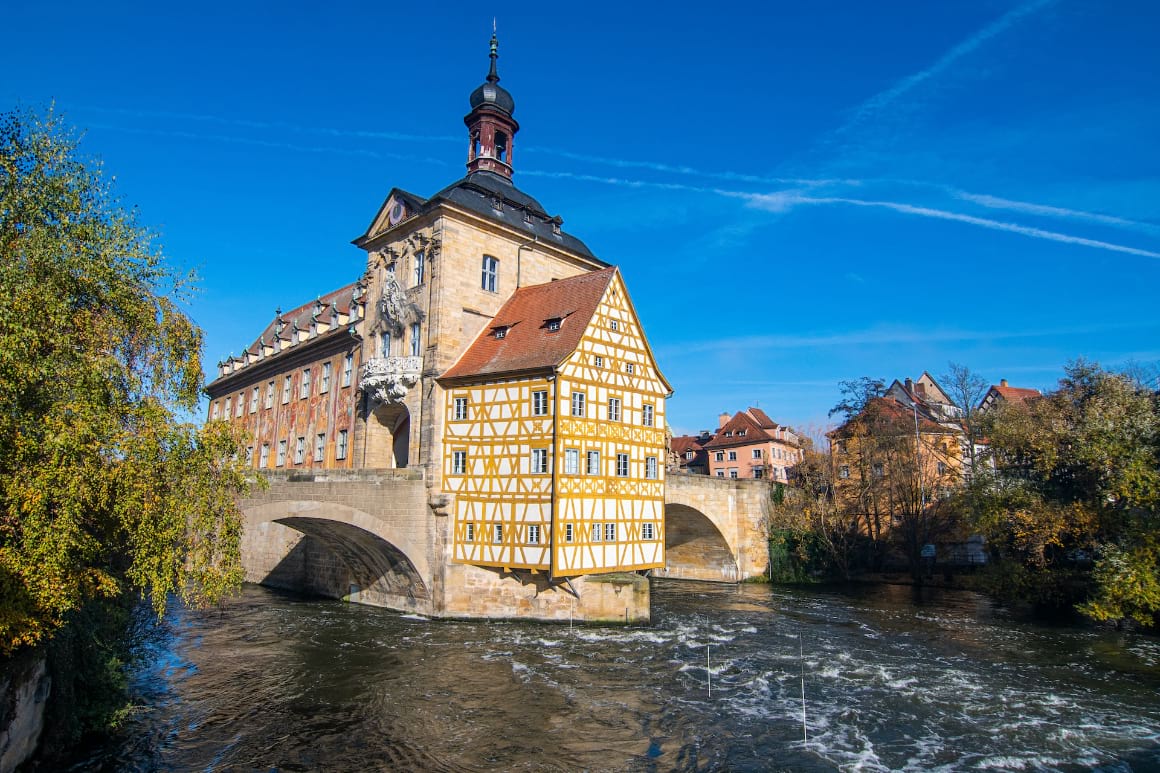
point(797, 193)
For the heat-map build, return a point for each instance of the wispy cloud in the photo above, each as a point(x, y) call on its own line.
point(781, 201)
point(236, 140)
point(1046, 210)
point(875, 104)
point(267, 125)
point(886, 336)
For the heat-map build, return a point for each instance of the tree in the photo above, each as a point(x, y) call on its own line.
point(856, 395)
point(102, 490)
point(805, 518)
point(966, 390)
point(1079, 478)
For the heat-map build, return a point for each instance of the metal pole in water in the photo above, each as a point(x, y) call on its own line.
point(802, 657)
point(708, 672)
point(570, 604)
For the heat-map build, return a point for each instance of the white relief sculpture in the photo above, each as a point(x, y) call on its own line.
point(387, 379)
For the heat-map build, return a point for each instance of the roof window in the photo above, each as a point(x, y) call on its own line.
point(553, 324)
point(501, 332)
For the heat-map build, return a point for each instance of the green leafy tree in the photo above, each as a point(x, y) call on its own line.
point(103, 491)
point(1079, 477)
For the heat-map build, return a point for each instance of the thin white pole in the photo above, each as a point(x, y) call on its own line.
point(802, 657)
point(708, 672)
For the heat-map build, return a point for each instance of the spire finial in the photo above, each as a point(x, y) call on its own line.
point(492, 76)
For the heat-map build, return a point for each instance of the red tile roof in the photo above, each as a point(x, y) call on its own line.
point(682, 443)
point(1015, 394)
point(893, 410)
point(762, 418)
point(528, 344)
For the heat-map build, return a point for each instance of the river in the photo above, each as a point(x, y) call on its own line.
point(894, 679)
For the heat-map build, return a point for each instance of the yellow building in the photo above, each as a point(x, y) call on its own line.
point(554, 439)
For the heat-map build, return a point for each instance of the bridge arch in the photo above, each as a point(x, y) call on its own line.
point(334, 550)
point(695, 548)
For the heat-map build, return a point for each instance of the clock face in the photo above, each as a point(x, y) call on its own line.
point(396, 213)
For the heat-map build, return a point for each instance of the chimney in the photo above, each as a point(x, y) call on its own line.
point(722, 420)
point(1002, 382)
point(909, 385)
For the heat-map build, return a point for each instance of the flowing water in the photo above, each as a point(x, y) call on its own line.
point(941, 680)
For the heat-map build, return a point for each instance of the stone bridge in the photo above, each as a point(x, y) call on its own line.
point(373, 537)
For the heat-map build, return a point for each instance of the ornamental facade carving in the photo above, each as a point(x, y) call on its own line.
point(387, 379)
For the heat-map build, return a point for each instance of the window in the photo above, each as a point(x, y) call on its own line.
point(304, 385)
point(647, 415)
point(569, 533)
point(416, 344)
point(384, 344)
point(689, 455)
point(719, 456)
point(299, 450)
point(533, 534)
point(610, 532)
point(732, 456)
point(229, 408)
point(840, 446)
point(419, 266)
point(578, 399)
point(340, 446)
point(490, 274)
point(469, 532)
point(720, 473)
point(650, 467)
point(286, 385)
point(596, 531)
point(613, 325)
point(647, 531)
point(877, 470)
point(553, 324)
point(324, 386)
point(593, 463)
point(844, 471)
point(622, 465)
point(539, 460)
point(757, 453)
point(319, 446)
point(460, 408)
point(264, 457)
point(759, 473)
point(213, 414)
point(614, 409)
point(270, 395)
point(239, 405)
point(458, 462)
point(249, 455)
point(629, 368)
point(540, 402)
point(254, 400)
point(347, 368)
point(732, 472)
point(598, 361)
point(497, 533)
point(281, 459)
point(501, 332)
point(571, 461)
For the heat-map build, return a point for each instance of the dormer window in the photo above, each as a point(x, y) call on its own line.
point(553, 324)
point(501, 332)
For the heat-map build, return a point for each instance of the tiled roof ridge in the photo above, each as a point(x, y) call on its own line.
point(531, 347)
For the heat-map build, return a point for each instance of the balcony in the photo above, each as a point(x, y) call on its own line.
point(387, 379)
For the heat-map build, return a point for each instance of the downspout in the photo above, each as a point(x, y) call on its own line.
point(555, 456)
point(520, 250)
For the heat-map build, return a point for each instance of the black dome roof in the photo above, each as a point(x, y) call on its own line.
point(493, 94)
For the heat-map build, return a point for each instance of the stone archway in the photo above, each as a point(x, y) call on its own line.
point(333, 551)
point(388, 437)
point(695, 549)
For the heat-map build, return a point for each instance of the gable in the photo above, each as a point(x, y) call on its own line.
point(398, 207)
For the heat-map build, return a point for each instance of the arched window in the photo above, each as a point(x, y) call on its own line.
point(490, 280)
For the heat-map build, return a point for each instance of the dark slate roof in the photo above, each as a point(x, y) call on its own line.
point(528, 345)
point(482, 191)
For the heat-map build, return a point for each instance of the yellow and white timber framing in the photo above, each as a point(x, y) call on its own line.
point(597, 502)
